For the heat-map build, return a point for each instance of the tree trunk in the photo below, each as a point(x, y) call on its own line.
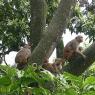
point(78, 65)
point(38, 20)
point(53, 46)
point(60, 48)
point(54, 31)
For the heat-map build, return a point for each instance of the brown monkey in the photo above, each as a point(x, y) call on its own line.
point(53, 67)
point(23, 56)
point(72, 48)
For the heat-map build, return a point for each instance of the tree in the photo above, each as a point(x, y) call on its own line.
point(53, 32)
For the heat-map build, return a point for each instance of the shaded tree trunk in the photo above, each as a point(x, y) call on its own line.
point(38, 20)
point(54, 31)
point(78, 65)
point(53, 46)
point(60, 48)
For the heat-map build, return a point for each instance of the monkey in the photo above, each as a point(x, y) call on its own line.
point(53, 67)
point(23, 56)
point(72, 48)
point(58, 63)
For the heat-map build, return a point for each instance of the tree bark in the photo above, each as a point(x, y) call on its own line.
point(38, 20)
point(78, 65)
point(53, 46)
point(54, 31)
point(60, 48)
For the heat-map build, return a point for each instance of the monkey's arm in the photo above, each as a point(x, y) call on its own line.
point(81, 54)
point(76, 48)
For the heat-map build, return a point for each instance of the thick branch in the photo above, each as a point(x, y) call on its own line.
point(54, 31)
point(78, 65)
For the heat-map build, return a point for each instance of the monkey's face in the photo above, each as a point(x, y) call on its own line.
point(27, 46)
point(79, 38)
point(59, 65)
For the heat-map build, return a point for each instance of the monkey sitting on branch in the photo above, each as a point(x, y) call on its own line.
point(53, 67)
point(72, 48)
point(23, 56)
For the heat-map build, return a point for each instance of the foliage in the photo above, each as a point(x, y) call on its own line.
point(83, 20)
point(90, 71)
point(41, 82)
point(14, 23)
point(52, 6)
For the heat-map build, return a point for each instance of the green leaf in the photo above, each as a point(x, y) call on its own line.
point(71, 91)
point(89, 81)
point(27, 80)
point(89, 93)
point(76, 80)
point(40, 91)
point(5, 81)
point(14, 86)
point(46, 75)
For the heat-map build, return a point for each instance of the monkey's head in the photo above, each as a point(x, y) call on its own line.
point(59, 62)
point(28, 46)
point(59, 66)
point(79, 38)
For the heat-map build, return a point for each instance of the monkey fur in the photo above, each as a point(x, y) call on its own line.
point(72, 48)
point(23, 56)
point(53, 67)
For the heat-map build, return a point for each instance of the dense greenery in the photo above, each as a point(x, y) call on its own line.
point(83, 20)
point(37, 82)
